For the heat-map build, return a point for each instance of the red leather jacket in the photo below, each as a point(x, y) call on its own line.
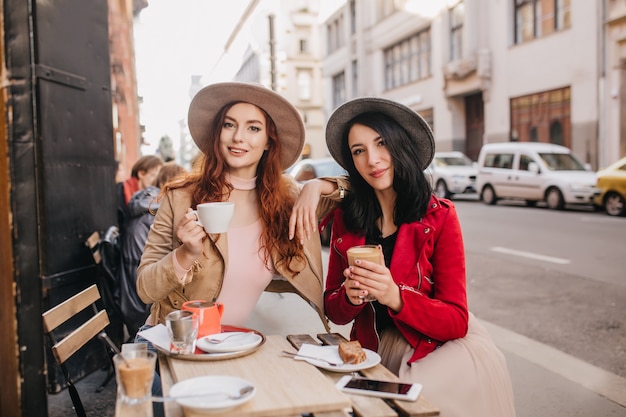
point(428, 264)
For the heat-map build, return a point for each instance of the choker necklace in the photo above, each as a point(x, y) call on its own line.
point(240, 183)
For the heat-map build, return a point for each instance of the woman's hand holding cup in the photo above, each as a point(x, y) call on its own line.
point(369, 253)
point(215, 217)
point(190, 236)
point(369, 279)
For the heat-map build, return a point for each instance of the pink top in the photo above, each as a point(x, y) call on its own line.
point(246, 274)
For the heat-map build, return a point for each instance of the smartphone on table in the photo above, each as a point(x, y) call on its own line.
point(384, 389)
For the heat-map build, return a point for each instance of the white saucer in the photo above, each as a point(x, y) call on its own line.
point(210, 385)
point(237, 341)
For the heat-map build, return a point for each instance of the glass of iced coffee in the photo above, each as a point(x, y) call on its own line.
point(369, 253)
point(134, 371)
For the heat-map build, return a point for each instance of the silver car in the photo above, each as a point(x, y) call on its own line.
point(452, 173)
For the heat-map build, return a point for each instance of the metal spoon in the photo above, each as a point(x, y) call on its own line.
point(113, 347)
point(226, 395)
point(216, 341)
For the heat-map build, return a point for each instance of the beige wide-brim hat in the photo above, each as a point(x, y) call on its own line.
point(208, 101)
point(415, 126)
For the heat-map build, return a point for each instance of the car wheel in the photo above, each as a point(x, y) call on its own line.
point(441, 190)
point(488, 195)
point(614, 205)
point(554, 198)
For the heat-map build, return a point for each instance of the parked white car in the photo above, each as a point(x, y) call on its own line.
point(452, 173)
point(534, 172)
point(307, 169)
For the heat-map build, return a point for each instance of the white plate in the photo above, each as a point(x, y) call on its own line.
point(236, 342)
point(372, 359)
point(210, 385)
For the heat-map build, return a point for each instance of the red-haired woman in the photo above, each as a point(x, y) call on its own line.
point(248, 136)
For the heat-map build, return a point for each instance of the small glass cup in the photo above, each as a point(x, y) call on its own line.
point(369, 253)
point(134, 372)
point(182, 327)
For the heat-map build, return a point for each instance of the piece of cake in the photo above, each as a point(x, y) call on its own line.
point(351, 352)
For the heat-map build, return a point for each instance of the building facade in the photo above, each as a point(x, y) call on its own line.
point(284, 53)
point(127, 129)
point(481, 71)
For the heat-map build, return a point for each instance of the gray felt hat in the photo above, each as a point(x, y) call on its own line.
point(208, 101)
point(415, 126)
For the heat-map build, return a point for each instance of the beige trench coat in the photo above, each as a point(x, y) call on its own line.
point(158, 285)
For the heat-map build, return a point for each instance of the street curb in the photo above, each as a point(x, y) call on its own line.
point(593, 378)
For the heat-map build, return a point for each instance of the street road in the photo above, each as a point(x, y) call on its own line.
point(558, 277)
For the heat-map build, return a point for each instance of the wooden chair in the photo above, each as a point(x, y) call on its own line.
point(64, 347)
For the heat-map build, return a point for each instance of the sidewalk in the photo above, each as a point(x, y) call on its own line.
point(546, 382)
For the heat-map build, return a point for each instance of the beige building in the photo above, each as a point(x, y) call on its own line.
point(284, 54)
point(484, 71)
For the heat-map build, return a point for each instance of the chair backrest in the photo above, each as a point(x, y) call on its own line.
point(106, 252)
point(93, 243)
point(64, 348)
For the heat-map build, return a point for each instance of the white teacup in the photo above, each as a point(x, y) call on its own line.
point(215, 217)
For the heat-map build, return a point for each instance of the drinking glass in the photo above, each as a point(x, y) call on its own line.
point(182, 327)
point(134, 371)
point(366, 253)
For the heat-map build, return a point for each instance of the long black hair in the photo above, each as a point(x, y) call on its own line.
point(361, 207)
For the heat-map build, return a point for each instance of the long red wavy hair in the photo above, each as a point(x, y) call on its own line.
point(275, 194)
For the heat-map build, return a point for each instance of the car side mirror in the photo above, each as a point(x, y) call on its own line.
point(533, 167)
point(588, 167)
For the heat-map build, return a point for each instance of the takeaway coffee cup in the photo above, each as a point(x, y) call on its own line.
point(369, 253)
point(215, 217)
point(209, 316)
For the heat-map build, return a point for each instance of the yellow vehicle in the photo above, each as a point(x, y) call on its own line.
point(612, 185)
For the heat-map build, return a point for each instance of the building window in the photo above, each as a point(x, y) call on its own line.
point(556, 132)
point(334, 31)
point(563, 17)
point(542, 117)
point(304, 84)
point(352, 17)
point(536, 18)
point(339, 89)
point(304, 46)
point(457, 14)
point(408, 60)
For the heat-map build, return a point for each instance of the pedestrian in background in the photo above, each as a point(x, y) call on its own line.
point(419, 322)
point(143, 174)
point(142, 208)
